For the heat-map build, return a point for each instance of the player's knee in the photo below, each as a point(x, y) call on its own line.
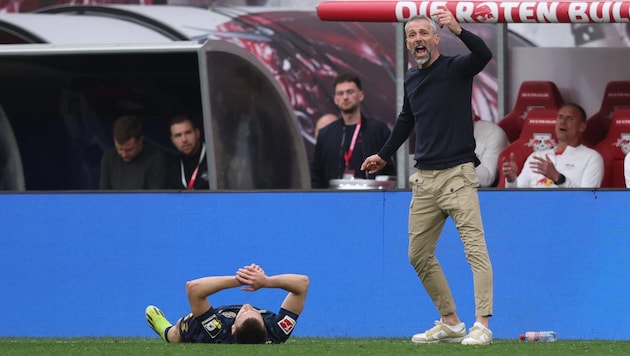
point(421, 263)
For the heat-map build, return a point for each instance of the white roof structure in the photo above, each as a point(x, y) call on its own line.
point(69, 29)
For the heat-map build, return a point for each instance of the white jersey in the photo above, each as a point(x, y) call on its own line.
point(583, 167)
point(490, 140)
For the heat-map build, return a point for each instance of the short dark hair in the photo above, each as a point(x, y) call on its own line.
point(576, 107)
point(126, 127)
point(182, 118)
point(251, 331)
point(347, 77)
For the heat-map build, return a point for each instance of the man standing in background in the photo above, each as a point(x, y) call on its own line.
point(343, 144)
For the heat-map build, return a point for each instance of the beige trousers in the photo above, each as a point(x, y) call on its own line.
point(438, 194)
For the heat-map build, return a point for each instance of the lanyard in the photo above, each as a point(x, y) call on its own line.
point(348, 153)
point(193, 178)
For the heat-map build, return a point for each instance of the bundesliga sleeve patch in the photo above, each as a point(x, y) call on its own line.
point(287, 324)
point(212, 326)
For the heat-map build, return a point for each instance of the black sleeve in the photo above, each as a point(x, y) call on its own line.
point(282, 326)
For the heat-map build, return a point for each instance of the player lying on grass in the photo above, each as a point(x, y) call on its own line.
point(240, 324)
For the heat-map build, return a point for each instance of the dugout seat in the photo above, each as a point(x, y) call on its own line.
point(538, 133)
point(531, 95)
point(616, 95)
point(614, 148)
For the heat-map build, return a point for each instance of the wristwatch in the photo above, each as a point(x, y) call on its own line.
point(561, 179)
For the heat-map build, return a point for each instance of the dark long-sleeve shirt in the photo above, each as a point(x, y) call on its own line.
point(189, 165)
point(437, 103)
point(334, 140)
point(146, 171)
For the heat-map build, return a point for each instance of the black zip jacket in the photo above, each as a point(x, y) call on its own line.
point(334, 140)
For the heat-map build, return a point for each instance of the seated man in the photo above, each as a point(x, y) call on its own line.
point(234, 324)
point(490, 140)
point(569, 165)
point(133, 163)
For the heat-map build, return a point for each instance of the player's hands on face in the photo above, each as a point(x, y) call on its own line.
point(373, 164)
point(252, 277)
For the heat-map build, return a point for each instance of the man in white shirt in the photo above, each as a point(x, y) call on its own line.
point(490, 140)
point(568, 165)
point(626, 169)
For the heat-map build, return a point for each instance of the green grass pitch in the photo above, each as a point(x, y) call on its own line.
point(303, 346)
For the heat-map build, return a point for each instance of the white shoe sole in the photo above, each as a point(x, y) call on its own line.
point(439, 341)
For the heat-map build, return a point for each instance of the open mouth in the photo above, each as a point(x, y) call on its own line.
point(420, 50)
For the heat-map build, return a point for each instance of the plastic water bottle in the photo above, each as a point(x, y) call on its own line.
point(539, 336)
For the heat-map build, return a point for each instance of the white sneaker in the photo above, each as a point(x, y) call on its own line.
point(479, 335)
point(440, 333)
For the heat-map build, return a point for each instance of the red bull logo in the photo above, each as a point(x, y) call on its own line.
point(483, 13)
point(541, 142)
point(623, 142)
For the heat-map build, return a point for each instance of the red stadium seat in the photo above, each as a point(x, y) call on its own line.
point(531, 95)
point(617, 95)
point(614, 148)
point(539, 133)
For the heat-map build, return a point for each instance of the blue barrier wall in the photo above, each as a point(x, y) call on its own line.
point(88, 264)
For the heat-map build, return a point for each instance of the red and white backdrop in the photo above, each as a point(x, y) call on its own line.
point(306, 43)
